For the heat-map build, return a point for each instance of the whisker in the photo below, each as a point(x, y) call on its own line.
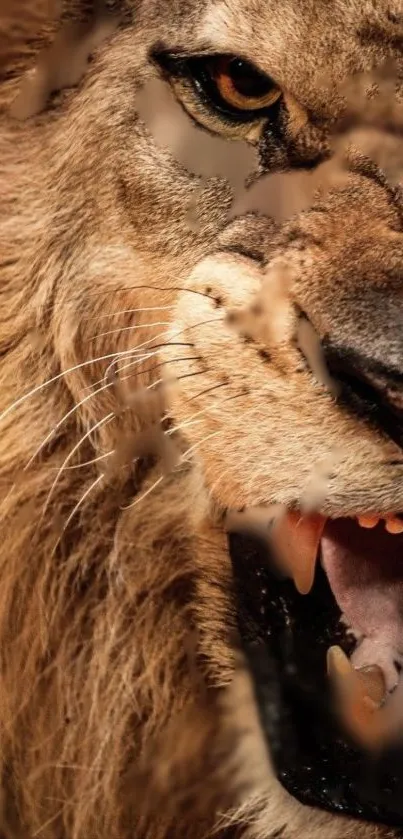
point(84, 464)
point(56, 378)
point(208, 390)
point(75, 448)
point(79, 298)
point(77, 507)
point(133, 312)
point(43, 385)
point(143, 358)
point(121, 354)
point(91, 462)
point(52, 432)
point(129, 329)
point(108, 371)
point(144, 494)
point(168, 343)
point(152, 288)
point(180, 427)
point(63, 420)
point(157, 366)
point(190, 375)
point(91, 430)
point(200, 443)
point(162, 477)
point(203, 411)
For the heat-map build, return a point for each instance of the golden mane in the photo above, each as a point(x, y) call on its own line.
point(96, 625)
point(115, 618)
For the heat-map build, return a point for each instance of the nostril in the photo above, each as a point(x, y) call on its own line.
point(371, 389)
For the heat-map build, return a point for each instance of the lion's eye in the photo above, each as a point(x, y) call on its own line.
point(226, 84)
point(237, 85)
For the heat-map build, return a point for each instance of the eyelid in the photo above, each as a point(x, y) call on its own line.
point(179, 62)
point(171, 63)
point(191, 72)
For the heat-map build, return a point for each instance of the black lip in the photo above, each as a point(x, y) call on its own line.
point(357, 376)
point(285, 638)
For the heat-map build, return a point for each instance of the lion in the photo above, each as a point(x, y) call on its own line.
point(201, 433)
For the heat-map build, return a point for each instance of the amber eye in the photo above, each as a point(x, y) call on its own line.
point(241, 86)
point(227, 84)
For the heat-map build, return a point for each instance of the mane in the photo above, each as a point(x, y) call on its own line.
point(98, 609)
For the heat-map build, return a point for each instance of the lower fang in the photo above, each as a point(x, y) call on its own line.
point(357, 710)
point(369, 724)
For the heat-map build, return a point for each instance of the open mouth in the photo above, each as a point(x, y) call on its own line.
point(320, 613)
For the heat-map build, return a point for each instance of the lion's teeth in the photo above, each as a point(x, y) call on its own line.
point(358, 694)
point(293, 539)
point(357, 711)
point(296, 540)
point(368, 521)
point(394, 525)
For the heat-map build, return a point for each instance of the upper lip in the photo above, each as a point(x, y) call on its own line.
point(370, 389)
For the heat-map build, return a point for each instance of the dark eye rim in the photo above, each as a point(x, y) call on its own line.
point(194, 69)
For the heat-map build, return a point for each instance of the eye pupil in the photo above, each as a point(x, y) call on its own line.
point(246, 79)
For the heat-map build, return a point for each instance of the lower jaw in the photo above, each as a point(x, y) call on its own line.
point(286, 638)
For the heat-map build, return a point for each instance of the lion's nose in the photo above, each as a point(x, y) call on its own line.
point(372, 388)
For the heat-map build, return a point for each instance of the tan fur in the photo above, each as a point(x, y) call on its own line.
point(116, 620)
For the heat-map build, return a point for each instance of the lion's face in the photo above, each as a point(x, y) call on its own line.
point(284, 341)
point(292, 397)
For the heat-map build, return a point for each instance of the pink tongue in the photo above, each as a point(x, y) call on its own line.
point(365, 572)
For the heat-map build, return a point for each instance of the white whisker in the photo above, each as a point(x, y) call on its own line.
point(161, 364)
point(63, 420)
point(120, 354)
point(128, 329)
point(145, 494)
point(200, 443)
point(91, 462)
point(59, 376)
point(78, 505)
point(71, 454)
point(112, 364)
point(134, 350)
point(134, 363)
point(180, 427)
point(133, 312)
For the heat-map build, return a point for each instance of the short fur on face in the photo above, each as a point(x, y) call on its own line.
point(119, 713)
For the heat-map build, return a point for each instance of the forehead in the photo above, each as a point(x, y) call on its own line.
point(297, 42)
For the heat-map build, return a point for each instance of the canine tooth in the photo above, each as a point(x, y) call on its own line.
point(368, 521)
point(358, 713)
point(373, 727)
point(394, 526)
point(296, 541)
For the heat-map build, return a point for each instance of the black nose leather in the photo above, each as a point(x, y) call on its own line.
point(369, 387)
